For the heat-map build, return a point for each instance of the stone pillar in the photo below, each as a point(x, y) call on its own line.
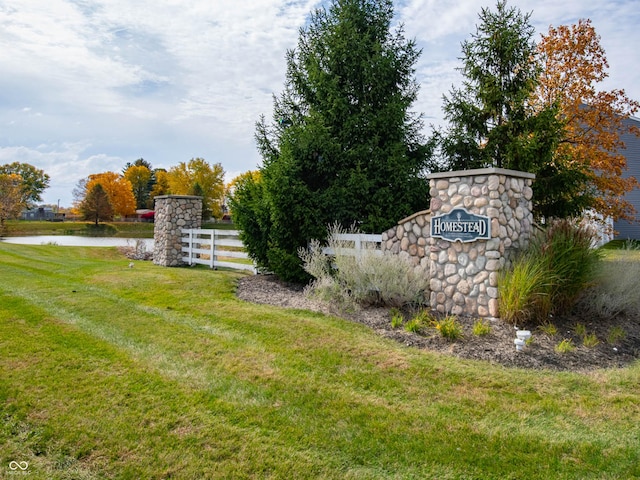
point(464, 275)
point(172, 214)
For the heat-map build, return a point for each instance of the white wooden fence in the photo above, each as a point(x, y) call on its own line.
point(215, 248)
point(355, 243)
point(218, 248)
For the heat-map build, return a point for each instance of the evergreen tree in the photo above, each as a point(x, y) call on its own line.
point(343, 146)
point(493, 121)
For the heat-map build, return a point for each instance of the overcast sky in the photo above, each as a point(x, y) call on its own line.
point(89, 85)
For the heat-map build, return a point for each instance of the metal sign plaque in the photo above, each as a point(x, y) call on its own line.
point(461, 225)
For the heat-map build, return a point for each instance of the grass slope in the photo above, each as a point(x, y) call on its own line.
point(150, 372)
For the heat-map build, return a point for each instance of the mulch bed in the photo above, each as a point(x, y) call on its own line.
point(497, 347)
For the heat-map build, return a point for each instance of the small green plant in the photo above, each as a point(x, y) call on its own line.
point(449, 327)
point(548, 329)
point(590, 340)
point(481, 327)
point(414, 325)
point(397, 320)
point(581, 329)
point(565, 346)
point(615, 335)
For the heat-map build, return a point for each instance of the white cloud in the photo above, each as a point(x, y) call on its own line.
point(104, 82)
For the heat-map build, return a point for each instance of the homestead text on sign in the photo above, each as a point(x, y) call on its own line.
point(460, 225)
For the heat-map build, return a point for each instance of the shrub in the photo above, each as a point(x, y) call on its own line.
point(481, 327)
point(548, 328)
point(414, 325)
point(615, 335)
point(565, 346)
point(449, 327)
point(581, 329)
point(368, 278)
point(250, 214)
point(397, 320)
point(590, 340)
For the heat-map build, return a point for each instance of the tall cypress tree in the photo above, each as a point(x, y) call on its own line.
point(343, 145)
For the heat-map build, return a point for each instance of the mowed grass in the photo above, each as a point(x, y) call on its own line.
point(151, 372)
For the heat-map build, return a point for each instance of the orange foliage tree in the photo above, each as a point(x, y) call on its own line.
point(574, 63)
point(11, 197)
point(117, 188)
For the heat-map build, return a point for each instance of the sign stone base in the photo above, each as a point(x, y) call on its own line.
point(464, 260)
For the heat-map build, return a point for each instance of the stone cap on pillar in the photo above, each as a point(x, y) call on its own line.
point(482, 171)
point(177, 196)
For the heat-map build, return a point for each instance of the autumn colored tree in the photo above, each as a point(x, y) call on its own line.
point(96, 205)
point(140, 178)
point(33, 181)
point(574, 63)
point(160, 186)
point(11, 198)
point(198, 176)
point(117, 188)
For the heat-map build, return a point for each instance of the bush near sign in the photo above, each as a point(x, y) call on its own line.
point(461, 225)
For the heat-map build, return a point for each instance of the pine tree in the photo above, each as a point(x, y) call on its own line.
point(495, 123)
point(343, 145)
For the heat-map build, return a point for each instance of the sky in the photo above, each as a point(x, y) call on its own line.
point(89, 85)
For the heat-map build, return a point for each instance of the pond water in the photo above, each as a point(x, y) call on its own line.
point(78, 241)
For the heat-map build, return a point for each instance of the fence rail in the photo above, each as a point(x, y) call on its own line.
point(215, 248)
point(355, 243)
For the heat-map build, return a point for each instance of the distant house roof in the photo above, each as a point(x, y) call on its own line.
point(625, 229)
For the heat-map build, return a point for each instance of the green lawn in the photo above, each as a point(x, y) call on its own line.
point(148, 373)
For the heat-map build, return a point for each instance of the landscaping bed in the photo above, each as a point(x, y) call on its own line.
point(618, 338)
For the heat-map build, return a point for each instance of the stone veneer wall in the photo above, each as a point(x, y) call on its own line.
point(409, 240)
point(172, 214)
point(464, 276)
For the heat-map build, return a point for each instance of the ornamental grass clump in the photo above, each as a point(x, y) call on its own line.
point(616, 285)
point(449, 327)
point(481, 328)
point(565, 346)
point(361, 277)
point(549, 277)
point(566, 249)
point(525, 290)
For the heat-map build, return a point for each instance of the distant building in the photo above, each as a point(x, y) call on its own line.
point(38, 213)
point(631, 230)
